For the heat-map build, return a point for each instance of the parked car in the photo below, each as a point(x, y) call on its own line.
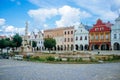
point(18, 57)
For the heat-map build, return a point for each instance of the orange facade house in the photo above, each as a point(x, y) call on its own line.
point(63, 36)
point(99, 36)
point(56, 34)
point(68, 38)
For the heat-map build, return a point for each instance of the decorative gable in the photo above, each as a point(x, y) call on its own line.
point(100, 26)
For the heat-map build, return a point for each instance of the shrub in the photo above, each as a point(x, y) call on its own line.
point(50, 58)
point(42, 59)
point(53, 52)
point(80, 59)
point(58, 59)
point(116, 57)
point(36, 58)
point(68, 59)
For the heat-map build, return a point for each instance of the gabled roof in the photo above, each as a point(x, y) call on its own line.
point(2, 37)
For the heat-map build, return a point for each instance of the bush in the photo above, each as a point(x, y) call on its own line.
point(53, 52)
point(80, 59)
point(68, 59)
point(50, 58)
point(59, 59)
point(42, 59)
point(116, 57)
point(36, 58)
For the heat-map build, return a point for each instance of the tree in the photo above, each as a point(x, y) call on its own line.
point(7, 42)
point(49, 43)
point(2, 44)
point(17, 40)
point(12, 45)
point(34, 44)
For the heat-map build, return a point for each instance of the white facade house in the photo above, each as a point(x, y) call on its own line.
point(40, 41)
point(115, 35)
point(81, 38)
point(38, 38)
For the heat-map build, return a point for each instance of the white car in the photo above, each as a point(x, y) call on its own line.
point(18, 57)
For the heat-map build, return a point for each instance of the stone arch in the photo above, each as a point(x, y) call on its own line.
point(64, 47)
point(76, 47)
point(116, 46)
point(104, 47)
point(72, 47)
point(86, 47)
point(81, 47)
point(68, 47)
point(58, 48)
point(94, 47)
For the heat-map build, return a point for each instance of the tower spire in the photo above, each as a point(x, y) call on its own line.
point(26, 30)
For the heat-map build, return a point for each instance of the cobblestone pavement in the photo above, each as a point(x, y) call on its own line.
point(22, 70)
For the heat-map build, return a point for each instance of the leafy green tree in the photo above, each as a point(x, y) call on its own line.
point(17, 40)
point(7, 42)
point(34, 44)
point(2, 44)
point(49, 43)
point(12, 45)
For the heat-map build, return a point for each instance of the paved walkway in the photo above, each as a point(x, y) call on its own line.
point(22, 70)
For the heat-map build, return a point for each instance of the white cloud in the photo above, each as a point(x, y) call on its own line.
point(101, 8)
point(2, 21)
point(109, 16)
point(70, 16)
point(9, 29)
point(12, 29)
point(36, 2)
point(41, 15)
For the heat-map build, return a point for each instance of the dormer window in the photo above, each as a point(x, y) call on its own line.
point(102, 28)
point(96, 29)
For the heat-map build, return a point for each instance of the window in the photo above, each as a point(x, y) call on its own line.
point(76, 38)
point(68, 32)
point(115, 36)
point(71, 39)
point(71, 32)
point(65, 33)
point(107, 36)
point(96, 29)
point(91, 37)
point(85, 37)
point(102, 28)
point(96, 37)
point(80, 37)
point(65, 40)
point(101, 37)
point(68, 39)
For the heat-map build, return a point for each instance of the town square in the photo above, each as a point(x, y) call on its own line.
point(59, 40)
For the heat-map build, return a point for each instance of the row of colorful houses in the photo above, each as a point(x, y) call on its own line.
point(101, 36)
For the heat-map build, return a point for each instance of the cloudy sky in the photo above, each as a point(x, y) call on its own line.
point(47, 14)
